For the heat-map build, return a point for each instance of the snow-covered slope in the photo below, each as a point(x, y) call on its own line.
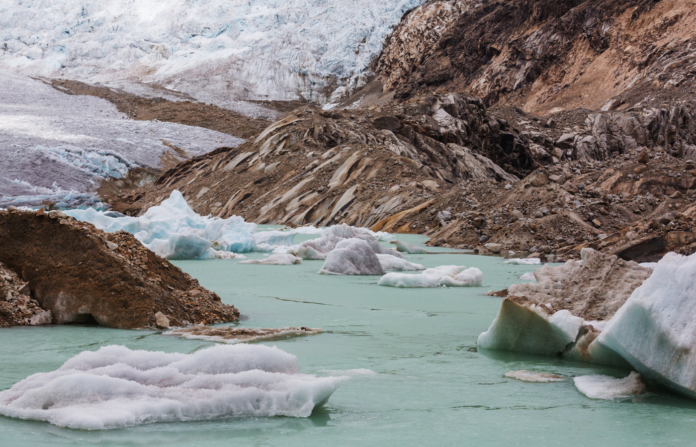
point(259, 49)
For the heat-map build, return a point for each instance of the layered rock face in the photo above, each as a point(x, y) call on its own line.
point(545, 55)
point(357, 166)
point(82, 275)
point(17, 308)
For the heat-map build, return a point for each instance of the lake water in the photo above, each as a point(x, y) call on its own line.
point(430, 385)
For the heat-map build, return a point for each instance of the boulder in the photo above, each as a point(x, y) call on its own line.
point(539, 180)
point(76, 275)
point(161, 321)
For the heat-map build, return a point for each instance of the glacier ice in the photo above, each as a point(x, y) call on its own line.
point(529, 276)
point(655, 330)
point(534, 377)
point(390, 262)
point(49, 151)
point(446, 275)
point(352, 257)
point(278, 259)
point(319, 248)
point(607, 387)
point(523, 261)
point(408, 248)
point(248, 49)
point(117, 387)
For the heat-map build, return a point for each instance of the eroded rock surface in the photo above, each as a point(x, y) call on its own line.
point(17, 308)
point(82, 275)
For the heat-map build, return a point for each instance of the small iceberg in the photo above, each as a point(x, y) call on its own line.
point(523, 261)
point(319, 249)
point(529, 276)
point(446, 275)
point(534, 377)
point(116, 387)
point(390, 262)
point(408, 248)
point(352, 257)
point(231, 335)
point(606, 387)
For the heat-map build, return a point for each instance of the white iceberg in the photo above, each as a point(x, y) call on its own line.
point(282, 259)
point(116, 387)
point(390, 262)
point(529, 276)
point(320, 248)
point(231, 335)
point(523, 261)
point(655, 330)
point(446, 275)
point(606, 387)
point(352, 257)
point(408, 248)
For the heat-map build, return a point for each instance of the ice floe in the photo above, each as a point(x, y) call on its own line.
point(607, 387)
point(280, 259)
point(655, 330)
point(117, 387)
point(523, 261)
point(391, 262)
point(442, 276)
point(352, 257)
point(534, 377)
point(231, 335)
point(408, 248)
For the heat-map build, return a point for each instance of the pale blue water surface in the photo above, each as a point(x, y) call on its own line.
point(431, 386)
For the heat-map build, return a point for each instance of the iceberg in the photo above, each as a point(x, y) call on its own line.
point(655, 330)
point(408, 248)
point(318, 249)
point(534, 377)
point(607, 387)
point(529, 276)
point(442, 276)
point(390, 262)
point(523, 261)
point(352, 257)
point(116, 387)
point(280, 259)
point(231, 335)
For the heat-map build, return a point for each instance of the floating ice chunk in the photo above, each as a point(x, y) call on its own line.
point(408, 248)
point(320, 248)
point(530, 329)
point(446, 275)
point(390, 262)
point(529, 276)
point(275, 237)
point(352, 257)
point(231, 335)
point(655, 330)
point(211, 253)
point(174, 231)
point(606, 387)
point(650, 265)
point(535, 377)
point(117, 387)
point(523, 261)
point(285, 259)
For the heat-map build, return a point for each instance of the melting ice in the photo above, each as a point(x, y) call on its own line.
point(117, 387)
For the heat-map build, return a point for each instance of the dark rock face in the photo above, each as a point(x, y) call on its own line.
point(17, 308)
point(83, 275)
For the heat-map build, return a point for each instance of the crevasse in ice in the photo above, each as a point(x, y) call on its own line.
point(117, 387)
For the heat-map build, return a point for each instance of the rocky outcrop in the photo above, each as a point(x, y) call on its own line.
point(17, 308)
point(82, 275)
point(358, 167)
point(544, 55)
point(565, 310)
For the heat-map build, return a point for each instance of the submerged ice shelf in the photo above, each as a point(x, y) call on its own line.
point(116, 387)
point(247, 49)
point(59, 147)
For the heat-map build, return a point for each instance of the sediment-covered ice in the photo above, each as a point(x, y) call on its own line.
point(534, 377)
point(58, 147)
point(607, 387)
point(352, 257)
point(655, 330)
point(117, 387)
point(231, 335)
point(523, 261)
point(216, 51)
point(446, 275)
point(390, 262)
point(282, 259)
point(408, 248)
point(174, 231)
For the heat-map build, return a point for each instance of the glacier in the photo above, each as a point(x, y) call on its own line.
point(245, 49)
point(50, 151)
point(116, 387)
